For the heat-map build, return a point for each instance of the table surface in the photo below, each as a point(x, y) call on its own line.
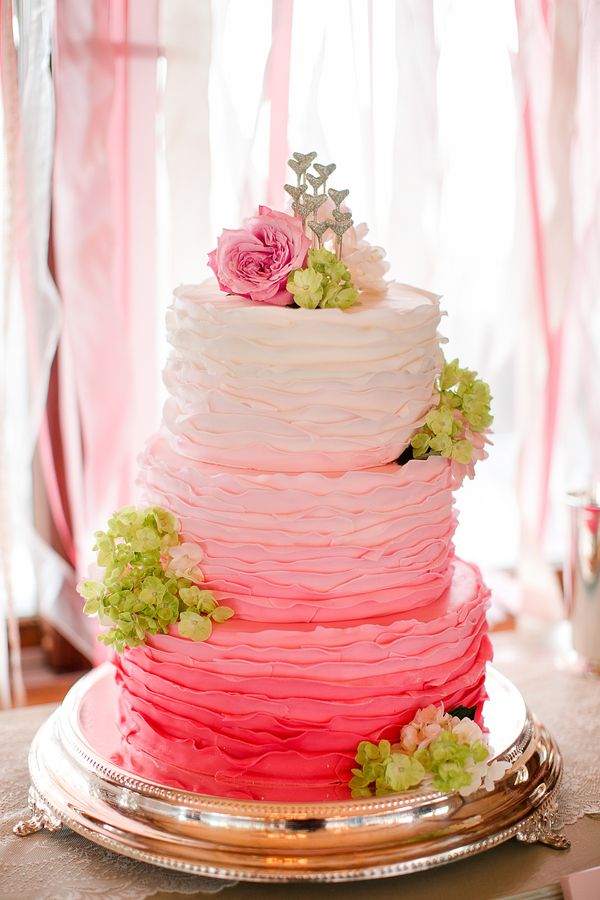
point(67, 866)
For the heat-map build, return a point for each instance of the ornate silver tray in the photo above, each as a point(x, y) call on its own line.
point(77, 781)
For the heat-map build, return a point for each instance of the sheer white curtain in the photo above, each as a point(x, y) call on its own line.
point(415, 103)
point(29, 313)
point(425, 107)
point(468, 133)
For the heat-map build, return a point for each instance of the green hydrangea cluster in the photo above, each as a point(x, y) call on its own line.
point(325, 282)
point(464, 405)
point(385, 769)
point(142, 592)
point(450, 762)
point(446, 764)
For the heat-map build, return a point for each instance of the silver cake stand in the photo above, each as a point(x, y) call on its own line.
point(77, 782)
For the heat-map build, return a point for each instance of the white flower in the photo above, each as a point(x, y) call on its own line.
point(494, 772)
point(367, 263)
point(467, 731)
point(485, 774)
point(184, 562)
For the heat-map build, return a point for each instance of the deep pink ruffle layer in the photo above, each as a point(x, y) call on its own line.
point(260, 706)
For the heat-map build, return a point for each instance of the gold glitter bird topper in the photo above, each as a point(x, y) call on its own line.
point(306, 205)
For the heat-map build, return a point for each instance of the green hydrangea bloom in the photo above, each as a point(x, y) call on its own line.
point(451, 762)
point(306, 286)
point(462, 451)
point(442, 444)
point(463, 405)
point(401, 773)
point(137, 595)
point(320, 256)
point(325, 282)
point(383, 770)
point(440, 421)
point(447, 763)
point(420, 444)
point(195, 627)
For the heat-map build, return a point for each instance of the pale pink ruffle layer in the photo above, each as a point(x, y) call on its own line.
point(270, 388)
point(312, 547)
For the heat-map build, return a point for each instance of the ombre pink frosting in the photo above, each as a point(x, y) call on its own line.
point(351, 612)
point(260, 709)
point(311, 547)
point(297, 390)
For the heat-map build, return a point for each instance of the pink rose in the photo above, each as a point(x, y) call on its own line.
point(255, 261)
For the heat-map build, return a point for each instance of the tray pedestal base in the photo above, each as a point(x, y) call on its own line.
point(76, 783)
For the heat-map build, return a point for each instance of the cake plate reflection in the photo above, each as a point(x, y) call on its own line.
point(79, 781)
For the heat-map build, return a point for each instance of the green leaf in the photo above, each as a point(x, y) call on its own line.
point(91, 590)
point(91, 607)
point(441, 443)
point(420, 443)
point(462, 451)
point(222, 613)
point(195, 627)
point(440, 421)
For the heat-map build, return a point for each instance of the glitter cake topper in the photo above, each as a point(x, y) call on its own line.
point(306, 205)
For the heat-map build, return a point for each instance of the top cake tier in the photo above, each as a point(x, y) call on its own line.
point(284, 389)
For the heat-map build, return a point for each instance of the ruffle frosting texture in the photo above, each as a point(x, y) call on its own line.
point(277, 389)
point(311, 547)
point(351, 612)
point(264, 709)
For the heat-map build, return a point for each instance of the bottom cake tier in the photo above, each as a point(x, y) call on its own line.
point(261, 705)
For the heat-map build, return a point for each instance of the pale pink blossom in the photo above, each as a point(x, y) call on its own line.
point(184, 562)
point(427, 724)
point(366, 262)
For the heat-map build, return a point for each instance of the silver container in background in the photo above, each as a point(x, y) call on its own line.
point(582, 576)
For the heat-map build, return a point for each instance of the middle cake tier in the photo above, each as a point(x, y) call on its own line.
point(312, 547)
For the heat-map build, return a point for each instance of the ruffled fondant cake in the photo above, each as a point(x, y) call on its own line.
point(291, 591)
point(278, 457)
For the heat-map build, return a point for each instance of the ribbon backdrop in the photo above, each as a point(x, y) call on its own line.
point(468, 134)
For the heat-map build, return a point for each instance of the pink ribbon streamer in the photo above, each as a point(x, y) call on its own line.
point(278, 81)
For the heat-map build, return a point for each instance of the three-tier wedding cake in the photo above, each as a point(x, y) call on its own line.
point(308, 454)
